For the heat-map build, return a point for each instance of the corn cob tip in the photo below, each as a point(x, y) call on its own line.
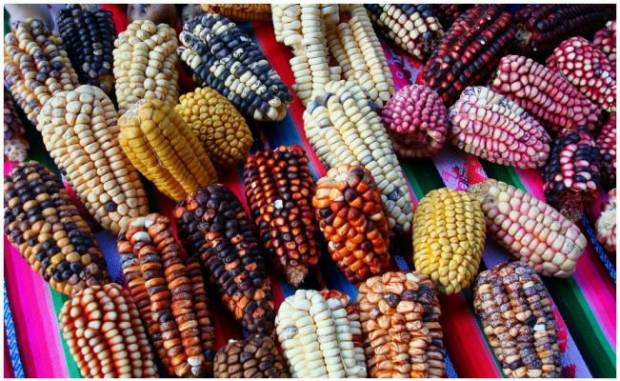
point(606, 224)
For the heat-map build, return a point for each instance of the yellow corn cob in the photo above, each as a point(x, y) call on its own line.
point(162, 147)
point(241, 12)
point(448, 238)
point(217, 124)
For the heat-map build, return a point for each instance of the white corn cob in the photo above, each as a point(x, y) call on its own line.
point(606, 224)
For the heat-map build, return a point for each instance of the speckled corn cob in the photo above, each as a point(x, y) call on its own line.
point(36, 66)
point(606, 142)
point(102, 327)
point(161, 146)
point(80, 131)
point(145, 60)
point(344, 129)
point(448, 238)
point(89, 39)
point(254, 357)
point(217, 124)
point(214, 226)
point(350, 214)
point(448, 13)
point(41, 221)
point(544, 94)
point(279, 189)
point(171, 296)
point(605, 41)
point(530, 229)
point(227, 60)
point(606, 224)
point(241, 12)
point(518, 319)
point(572, 173)
point(469, 51)
point(414, 28)
point(491, 126)
point(15, 143)
point(400, 321)
point(315, 335)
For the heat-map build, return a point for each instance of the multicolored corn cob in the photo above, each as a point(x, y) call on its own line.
point(15, 144)
point(213, 225)
point(469, 51)
point(491, 126)
point(145, 60)
point(544, 94)
point(530, 229)
point(161, 146)
point(316, 337)
point(606, 142)
point(518, 320)
point(156, 13)
point(279, 189)
point(344, 129)
point(89, 39)
point(170, 294)
point(448, 238)
point(217, 124)
point(606, 224)
point(41, 221)
point(605, 41)
point(448, 13)
point(254, 357)
point(80, 131)
point(241, 12)
point(229, 61)
point(350, 214)
point(102, 328)
point(400, 321)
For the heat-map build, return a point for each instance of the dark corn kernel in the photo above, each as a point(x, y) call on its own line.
point(15, 144)
point(254, 357)
point(241, 12)
point(606, 142)
point(448, 13)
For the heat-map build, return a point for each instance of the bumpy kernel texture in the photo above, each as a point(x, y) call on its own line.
point(102, 327)
point(253, 357)
point(448, 238)
point(170, 294)
point(241, 12)
point(15, 143)
point(606, 142)
point(217, 124)
point(417, 121)
point(530, 229)
point(605, 41)
point(518, 320)
point(351, 216)
point(400, 322)
point(448, 13)
point(156, 13)
point(491, 126)
point(606, 224)
point(213, 225)
point(41, 221)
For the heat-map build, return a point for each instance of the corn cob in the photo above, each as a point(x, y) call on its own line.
point(254, 357)
point(400, 321)
point(241, 12)
point(350, 214)
point(491, 126)
point(518, 319)
point(448, 238)
point(530, 229)
point(171, 296)
point(448, 13)
point(606, 142)
point(344, 129)
point(145, 62)
point(572, 173)
point(36, 66)
point(605, 41)
point(191, 11)
point(155, 13)
point(544, 94)
point(414, 28)
point(606, 224)
point(227, 60)
point(102, 327)
point(279, 189)
point(214, 226)
point(15, 143)
point(469, 51)
point(217, 124)
point(315, 335)
point(89, 39)
point(161, 146)
point(49, 232)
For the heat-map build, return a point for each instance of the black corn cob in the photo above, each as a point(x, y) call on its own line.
point(15, 144)
point(254, 357)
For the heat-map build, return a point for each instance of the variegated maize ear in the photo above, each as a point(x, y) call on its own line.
point(315, 335)
point(448, 238)
point(161, 146)
point(80, 131)
point(606, 224)
point(241, 12)
point(350, 214)
point(41, 221)
point(279, 189)
point(530, 229)
point(518, 320)
point(217, 124)
point(344, 129)
point(254, 357)
point(606, 142)
point(170, 294)
point(400, 323)
point(605, 41)
point(15, 144)
point(102, 327)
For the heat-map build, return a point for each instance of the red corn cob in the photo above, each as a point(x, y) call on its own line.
point(606, 143)
point(605, 40)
